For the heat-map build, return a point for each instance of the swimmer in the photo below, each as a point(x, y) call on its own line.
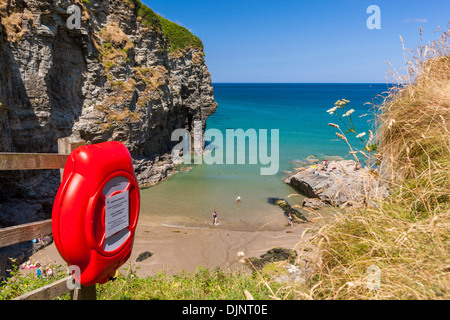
point(214, 216)
point(290, 220)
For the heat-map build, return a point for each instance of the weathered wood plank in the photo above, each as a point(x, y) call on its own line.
point(31, 161)
point(25, 232)
point(48, 292)
point(66, 146)
point(29, 231)
point(84, 293)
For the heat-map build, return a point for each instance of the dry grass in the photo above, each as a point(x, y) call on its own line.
point(153, 77)
point(113, 45)
point(15, 23)
point(414, 139)
point(405, 237)
point(114, 34)
point(412, 255)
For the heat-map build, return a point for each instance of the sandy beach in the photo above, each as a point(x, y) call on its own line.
point(176, 248)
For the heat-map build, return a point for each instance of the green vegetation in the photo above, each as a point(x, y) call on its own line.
point(177, 37)
point(148, 17)
point(19, 283)
point(201, 285)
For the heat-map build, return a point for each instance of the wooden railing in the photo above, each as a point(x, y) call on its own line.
point(40, 229)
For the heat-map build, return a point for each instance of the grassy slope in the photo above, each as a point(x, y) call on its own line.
point(177, 37)
point(202, 285)
point(407, 238)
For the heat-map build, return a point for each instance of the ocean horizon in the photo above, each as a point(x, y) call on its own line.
point(298, 111)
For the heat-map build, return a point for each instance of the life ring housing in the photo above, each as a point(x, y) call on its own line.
point(96, 210)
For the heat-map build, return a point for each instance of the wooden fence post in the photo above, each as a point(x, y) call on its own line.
point(25, 232)
point(66, 146)
point(84, 293)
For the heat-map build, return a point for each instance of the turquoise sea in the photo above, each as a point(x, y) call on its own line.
point(298, 111)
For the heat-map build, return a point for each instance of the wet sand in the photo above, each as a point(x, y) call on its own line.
point(179, 248)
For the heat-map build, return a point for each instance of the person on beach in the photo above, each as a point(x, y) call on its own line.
point(325, 164)
point(214, 216)
point(39, 270)
point(49, 271)
point(290, 220)
point(238, 200)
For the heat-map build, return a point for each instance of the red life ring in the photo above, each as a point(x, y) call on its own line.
point(96, 210)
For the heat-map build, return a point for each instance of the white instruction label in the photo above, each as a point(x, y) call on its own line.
point(116, 213)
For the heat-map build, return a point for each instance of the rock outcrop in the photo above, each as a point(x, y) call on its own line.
point(273, 255)
point(126, 74)
point(297, 216)
point(340, 185)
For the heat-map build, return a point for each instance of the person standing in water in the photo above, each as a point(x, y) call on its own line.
point(290, 220)
point(238, 200)
point(214, 216)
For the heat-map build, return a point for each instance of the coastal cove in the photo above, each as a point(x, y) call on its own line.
point(175, 224)
point(188, 198)
point(224, 152)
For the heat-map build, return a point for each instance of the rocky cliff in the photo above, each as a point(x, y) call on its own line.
point(125, 74)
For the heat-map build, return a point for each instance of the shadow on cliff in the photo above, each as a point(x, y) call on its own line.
point(41, 85)
point(12, 92)
point(64, 84)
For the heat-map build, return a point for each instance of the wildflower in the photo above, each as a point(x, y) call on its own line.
point(349, 112)
point(332, 110)
point(339, 103)
point(362, 134)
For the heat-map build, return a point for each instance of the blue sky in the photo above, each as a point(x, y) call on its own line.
point(304, 41)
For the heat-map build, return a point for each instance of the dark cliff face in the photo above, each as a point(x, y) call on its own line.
point(118, 77)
